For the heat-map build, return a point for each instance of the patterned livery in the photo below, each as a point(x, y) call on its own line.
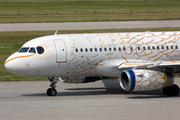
point(142, 61)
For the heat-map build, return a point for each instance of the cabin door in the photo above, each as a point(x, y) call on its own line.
point(61, 52)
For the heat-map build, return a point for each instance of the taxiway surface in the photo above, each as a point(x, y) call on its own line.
point(27, 100)
point(89, 25)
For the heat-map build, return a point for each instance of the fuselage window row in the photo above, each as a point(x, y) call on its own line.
point(131, 48)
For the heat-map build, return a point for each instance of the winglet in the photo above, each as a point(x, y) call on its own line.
point(56, 32)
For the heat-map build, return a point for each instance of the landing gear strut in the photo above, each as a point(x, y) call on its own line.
point(172, 90)
point(52, 91)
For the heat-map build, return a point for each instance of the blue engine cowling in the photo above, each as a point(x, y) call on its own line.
point(144, 80)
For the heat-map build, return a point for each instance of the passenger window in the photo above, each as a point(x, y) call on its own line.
point(86, 49)
point(105, 49)
point(131, 48)
point(149, 48)
point(167, 47)
point(76, 50)
point(176, 47)
point(81, 50)
point(32, 50)
point(138, 48)
point(23, 49)
point(171, 47)
point(124, 48)
point(40, 50)
point(144, 48)
point(119, 48)
point(153, 47)
point(100, 49)
point(109, 49)
point(162, 47)
point(158, 47)
point(91, 49)
point(96, 49)
point(114, 48)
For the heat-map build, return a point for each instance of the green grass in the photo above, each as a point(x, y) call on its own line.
point(10, 42)
point(47, 10)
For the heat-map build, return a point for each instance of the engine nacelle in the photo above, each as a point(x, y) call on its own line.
point(79, 79)
point(144, 80)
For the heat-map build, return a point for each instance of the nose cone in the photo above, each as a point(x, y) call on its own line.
point(11, 64)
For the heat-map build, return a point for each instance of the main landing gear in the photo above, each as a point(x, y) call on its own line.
point(172, 90)
point(52, 91)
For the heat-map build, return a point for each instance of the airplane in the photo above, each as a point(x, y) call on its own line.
point(142, 61)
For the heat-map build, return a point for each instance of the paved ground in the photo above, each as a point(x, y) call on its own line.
point(89, 25)
point(93, 101)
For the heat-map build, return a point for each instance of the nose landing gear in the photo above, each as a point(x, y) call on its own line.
point(52, 91)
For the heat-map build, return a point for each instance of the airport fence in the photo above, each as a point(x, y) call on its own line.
point(93, 12)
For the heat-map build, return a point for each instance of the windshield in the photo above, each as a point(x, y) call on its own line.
point(32, 50)
point(24, 49)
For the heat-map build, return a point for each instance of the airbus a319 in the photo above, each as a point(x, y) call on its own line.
point(143, 61)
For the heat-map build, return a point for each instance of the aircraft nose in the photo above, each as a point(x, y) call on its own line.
point(11, 65)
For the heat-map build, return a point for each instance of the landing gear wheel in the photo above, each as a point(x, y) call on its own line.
point(51, 92)
point(172, 90)
point(166, 91)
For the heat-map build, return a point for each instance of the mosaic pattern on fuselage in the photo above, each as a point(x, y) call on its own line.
point(84, 62)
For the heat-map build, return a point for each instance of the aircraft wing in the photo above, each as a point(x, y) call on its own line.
point(170, 63)
point(130, 65)
point(166, 66)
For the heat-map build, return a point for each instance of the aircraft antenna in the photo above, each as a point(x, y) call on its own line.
point(56, 32)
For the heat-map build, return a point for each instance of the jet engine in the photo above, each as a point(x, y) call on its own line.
point(79, 79)
point(144, 80)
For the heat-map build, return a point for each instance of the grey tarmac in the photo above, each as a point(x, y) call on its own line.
point(27, 100)
point(89, 25)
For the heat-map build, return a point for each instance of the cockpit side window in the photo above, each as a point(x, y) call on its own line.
point(40, 50)
point(32, 50)
point(23, 49)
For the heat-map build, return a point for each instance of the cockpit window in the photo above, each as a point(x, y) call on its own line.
point(24, 49)
point(32, 50)
point(40, 50)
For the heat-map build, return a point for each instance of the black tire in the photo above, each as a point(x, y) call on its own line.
point(51, 92)
point(48, 91)
point(166, 91)
point(174, 90)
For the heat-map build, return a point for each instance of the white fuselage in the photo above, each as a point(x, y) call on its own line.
point(99, 54)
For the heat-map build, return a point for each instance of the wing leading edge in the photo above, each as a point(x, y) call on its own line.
point(166, 66)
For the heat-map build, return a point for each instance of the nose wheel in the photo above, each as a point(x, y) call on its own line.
point(52, 91)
